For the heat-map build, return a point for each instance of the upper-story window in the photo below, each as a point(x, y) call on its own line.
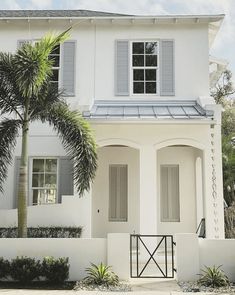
point(55, 57)
point(144, 67)
point(63, 67)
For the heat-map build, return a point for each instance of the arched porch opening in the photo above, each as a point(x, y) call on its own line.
point(180, 186)
point(115, 191)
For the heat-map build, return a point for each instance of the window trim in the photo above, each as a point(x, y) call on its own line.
point(131, 68)
point(118, 218)
point(30, 174)
point(162, 219)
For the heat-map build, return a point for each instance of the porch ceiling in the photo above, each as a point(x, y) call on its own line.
point(147, 110)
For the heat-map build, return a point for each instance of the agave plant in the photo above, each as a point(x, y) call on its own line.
point(213, 277)
point(101, 275)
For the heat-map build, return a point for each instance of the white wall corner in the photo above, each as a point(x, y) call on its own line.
point(187, 257)
point(208, 103)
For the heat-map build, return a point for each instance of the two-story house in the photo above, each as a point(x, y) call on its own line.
point(143, 84)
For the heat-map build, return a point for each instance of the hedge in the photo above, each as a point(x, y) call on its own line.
point(43, 232)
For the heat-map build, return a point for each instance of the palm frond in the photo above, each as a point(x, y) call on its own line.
point(77, 140)
point(10, 98)
point(32, 64)
point(8, 134)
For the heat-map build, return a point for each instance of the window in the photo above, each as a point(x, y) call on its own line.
point(44, 181)
point(118, 192)
point(144, 67)
point(55, 57)
point(170, 205)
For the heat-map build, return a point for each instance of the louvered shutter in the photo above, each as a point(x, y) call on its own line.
point(66, 185)
point(122, 83)
point(170, 203)
point(68, 68)
point(118, 191)
point(167, 68)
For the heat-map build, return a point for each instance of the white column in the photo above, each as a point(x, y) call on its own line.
point(208, 200)
point(199, 189)
point(148, 190)
point(219, 180)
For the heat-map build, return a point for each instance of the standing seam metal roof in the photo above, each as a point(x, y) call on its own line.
point(147, 109)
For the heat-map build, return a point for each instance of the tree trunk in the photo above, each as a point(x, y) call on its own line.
point(23, 184)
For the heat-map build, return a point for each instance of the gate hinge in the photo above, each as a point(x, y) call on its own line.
point(174, 243)
point(175, 270)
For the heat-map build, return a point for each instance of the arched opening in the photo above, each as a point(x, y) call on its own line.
point(115, 191)
point(180, 188)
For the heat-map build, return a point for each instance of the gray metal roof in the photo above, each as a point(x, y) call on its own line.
point(111, 110)
point(55, 13)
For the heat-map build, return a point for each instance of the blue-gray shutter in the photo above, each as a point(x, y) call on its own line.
point(66, 186)
point(122, 84)
point(167, 68)
point(68, 68)
point(16, 181)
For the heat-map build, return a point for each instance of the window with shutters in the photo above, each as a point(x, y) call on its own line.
point(63, 65)
point(144, 67)
point(118, 192)
point(44, 181)
point(170, 203)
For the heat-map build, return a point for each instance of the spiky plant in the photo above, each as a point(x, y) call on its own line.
point(101, 275)
point(213, 277)
point(27, 95)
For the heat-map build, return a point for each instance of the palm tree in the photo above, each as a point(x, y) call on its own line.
point(27, 95)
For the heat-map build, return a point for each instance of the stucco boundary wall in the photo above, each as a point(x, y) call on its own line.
point(193, 254)
point(81, 252)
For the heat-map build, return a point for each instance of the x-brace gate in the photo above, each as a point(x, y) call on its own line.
point(151, 256)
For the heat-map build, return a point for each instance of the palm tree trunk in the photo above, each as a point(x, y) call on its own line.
point(23, 183)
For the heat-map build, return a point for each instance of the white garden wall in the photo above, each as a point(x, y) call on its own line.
point(73, 211)
point(81, 252)
point(193, 254)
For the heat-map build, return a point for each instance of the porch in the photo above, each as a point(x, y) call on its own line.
point(148, 190)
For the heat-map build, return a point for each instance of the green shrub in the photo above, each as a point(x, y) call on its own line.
point(101, 275)
point(55, 270)
point(4, 268)
point(213, 277)
point(25, 269)
point(44, 232)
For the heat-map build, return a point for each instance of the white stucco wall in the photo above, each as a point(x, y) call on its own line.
point(73, 211)
point(81, 252)
point(100, 191)
point(193, 254)
point(95, 54)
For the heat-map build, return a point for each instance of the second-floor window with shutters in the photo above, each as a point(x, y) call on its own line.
point(144, 67)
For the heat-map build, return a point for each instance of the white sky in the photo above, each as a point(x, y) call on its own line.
point(224, 45)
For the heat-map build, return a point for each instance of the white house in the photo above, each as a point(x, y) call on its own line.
point(143, 84)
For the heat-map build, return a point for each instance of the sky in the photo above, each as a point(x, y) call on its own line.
point(223, 47)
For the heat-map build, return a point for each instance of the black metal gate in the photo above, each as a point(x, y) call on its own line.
point(152, 256)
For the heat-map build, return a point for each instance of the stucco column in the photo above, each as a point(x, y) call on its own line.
point(199, 189)
point(208, 200)
point(219, 180)
point(148, 190)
